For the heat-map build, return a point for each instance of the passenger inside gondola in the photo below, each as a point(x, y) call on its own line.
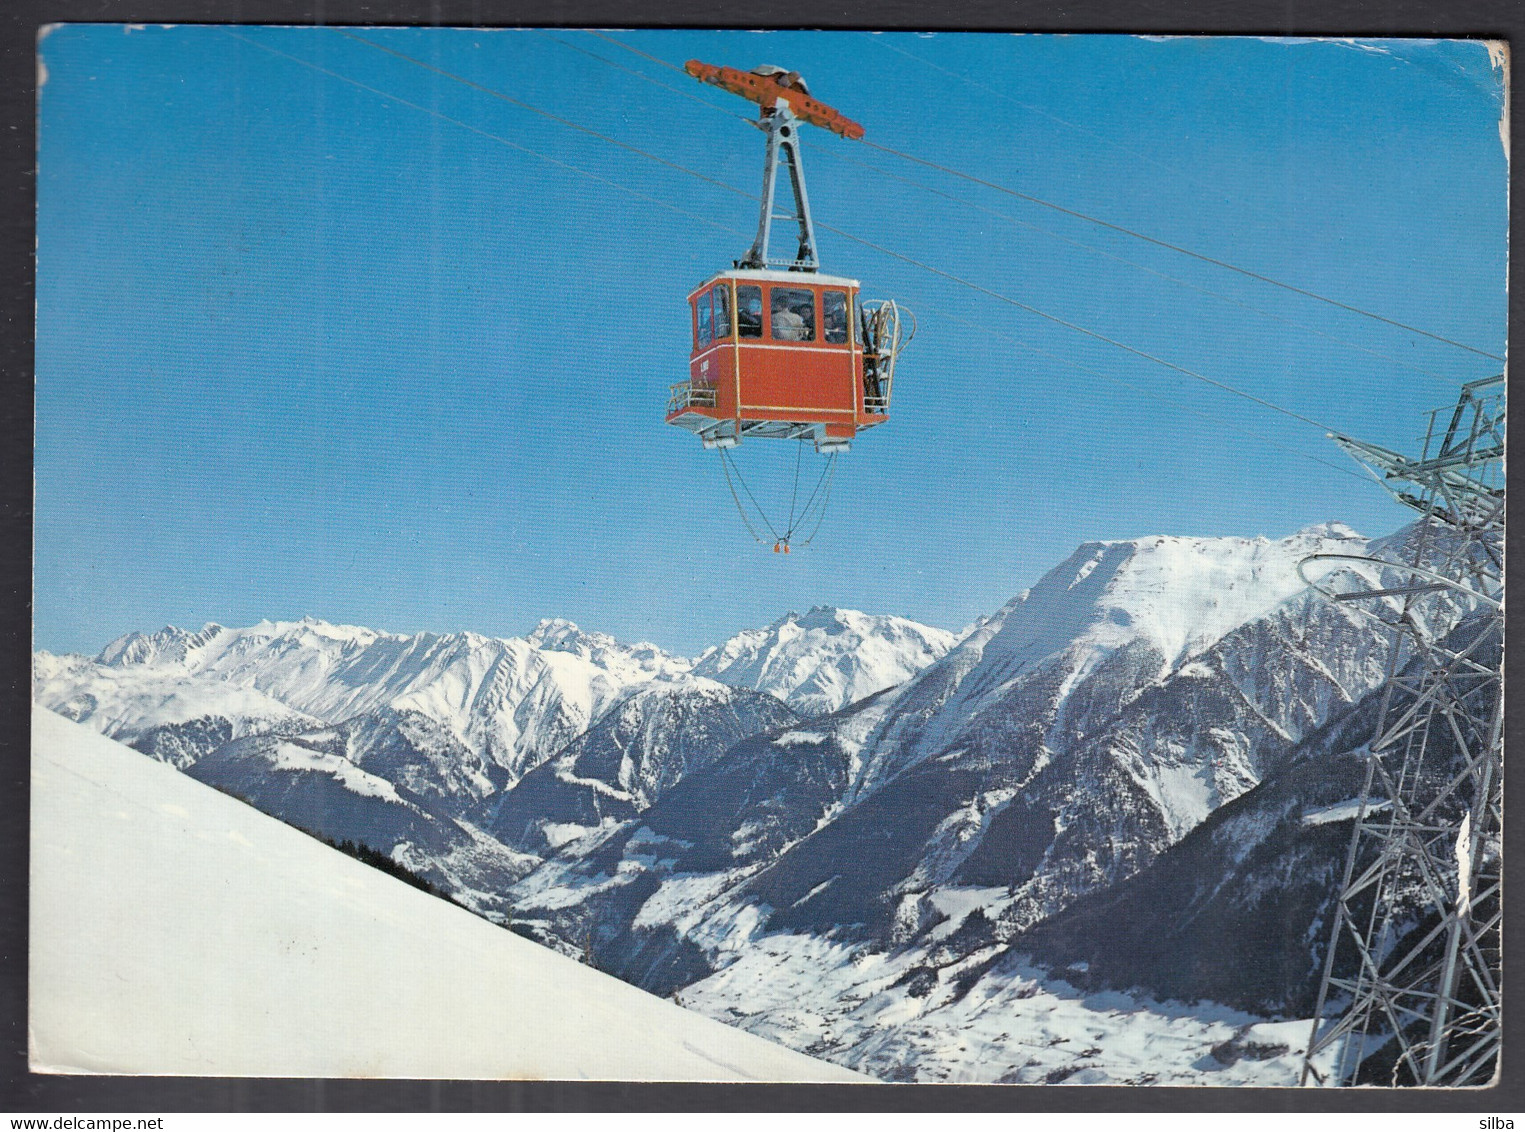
point(793, 315)
point(749, 311)
point(834, 316)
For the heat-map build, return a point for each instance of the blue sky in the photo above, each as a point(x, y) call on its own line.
point(304, 349)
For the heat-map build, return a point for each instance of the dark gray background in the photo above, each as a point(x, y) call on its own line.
point(24, 1091)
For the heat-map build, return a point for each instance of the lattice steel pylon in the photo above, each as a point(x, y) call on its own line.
point(1414, 953)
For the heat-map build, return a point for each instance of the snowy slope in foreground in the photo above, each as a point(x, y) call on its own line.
point(239, 946)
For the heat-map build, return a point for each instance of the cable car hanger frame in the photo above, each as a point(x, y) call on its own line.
point(759, 367)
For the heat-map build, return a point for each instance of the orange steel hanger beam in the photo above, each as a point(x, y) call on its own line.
point(766, 90)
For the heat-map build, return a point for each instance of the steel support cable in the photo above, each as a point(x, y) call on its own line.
point(763, 515)
point(749, 196)
point(532, 108)
point(1133, 153)
point(1161, 274)
point(1436, 579)
point(1178, 248)
point(1105, 376)
point(725, 466)
point(637, 51)
point(647, 78)
point(809, 499)
point(876, 170)
point(842, 156)
point(491, 136)
point(794, 492)
point(1120, 228)
point(826, 476)
point(829, 476)
point(1079, 329)
point(796, 521)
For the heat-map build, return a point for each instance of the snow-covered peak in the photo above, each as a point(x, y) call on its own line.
point(1169, 596)
point(557, 633)
point(826, 658)
point(1176, 594)
point(630, 662)
point(1334, 529)
point(827, 618)
point(309, 630)
point(169, 645)
point(172, 646)
point(822, 617)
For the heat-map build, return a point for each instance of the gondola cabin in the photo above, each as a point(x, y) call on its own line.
point(780, 354)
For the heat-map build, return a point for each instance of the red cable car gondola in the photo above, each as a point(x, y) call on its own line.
point(780, 350)
point(776, 354)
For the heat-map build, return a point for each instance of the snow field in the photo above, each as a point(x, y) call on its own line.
point(177, 931)
point(853, 1007)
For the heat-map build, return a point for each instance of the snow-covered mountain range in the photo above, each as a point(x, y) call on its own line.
point(512, 701)
point(808, 795)
point(826, 659)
